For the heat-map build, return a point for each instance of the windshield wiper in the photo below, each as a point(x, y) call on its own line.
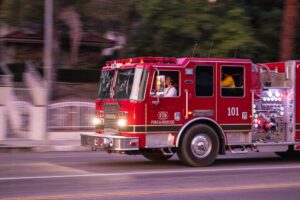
point(119, 103)
point(103, 95)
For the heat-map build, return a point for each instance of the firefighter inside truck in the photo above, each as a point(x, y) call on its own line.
point(227, 80)
point(165, 84)
point(170, 90)
point(232, 83)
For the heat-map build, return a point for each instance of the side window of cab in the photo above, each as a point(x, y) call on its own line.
point(204, 81)
point(232, 83)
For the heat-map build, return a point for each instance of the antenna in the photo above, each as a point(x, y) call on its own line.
point(211, 44)
point(236, 49)
point(195, 46)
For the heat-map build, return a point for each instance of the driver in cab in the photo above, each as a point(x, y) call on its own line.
point(170, 90)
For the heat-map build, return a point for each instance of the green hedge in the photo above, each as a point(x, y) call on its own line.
point(78, 75)
point(17, 70)
point(62, 75)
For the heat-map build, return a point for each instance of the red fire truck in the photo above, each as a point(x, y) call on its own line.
point(197, 108)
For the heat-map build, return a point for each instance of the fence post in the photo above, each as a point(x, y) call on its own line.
point(5, 89)
point(2, 123)
point(38, 123)
point(38, 91)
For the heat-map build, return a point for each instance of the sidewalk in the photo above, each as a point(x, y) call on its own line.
point(20, 145)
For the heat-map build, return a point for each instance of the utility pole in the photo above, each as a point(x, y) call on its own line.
point(48, 46)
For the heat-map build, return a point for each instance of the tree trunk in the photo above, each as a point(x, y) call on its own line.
point(48, 46)
point(288, 29)
point(72, 19)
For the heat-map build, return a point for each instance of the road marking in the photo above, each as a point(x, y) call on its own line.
point(43, 167)
point(170, 191)
point(198, 170)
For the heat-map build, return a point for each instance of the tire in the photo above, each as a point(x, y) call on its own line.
point(191, 153)
point(156, 156)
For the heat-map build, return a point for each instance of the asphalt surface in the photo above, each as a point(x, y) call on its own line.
point(97, 175)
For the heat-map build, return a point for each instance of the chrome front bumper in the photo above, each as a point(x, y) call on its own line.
point(109, 142)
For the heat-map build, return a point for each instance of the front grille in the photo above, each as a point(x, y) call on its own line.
point(111, 113)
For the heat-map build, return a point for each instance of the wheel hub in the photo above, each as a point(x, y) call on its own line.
point(201, 145)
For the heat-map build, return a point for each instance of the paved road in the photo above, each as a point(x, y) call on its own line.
point(97, 175)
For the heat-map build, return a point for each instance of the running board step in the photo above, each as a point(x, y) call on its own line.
point(167, 151)
point(242, 150)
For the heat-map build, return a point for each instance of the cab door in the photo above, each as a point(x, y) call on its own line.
point(164, 111)
point(234, 97)
point(203, 101)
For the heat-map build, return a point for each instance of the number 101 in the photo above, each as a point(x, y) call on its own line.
point(233, 111)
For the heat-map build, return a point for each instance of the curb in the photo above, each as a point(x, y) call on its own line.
point(11, 149)
point(60, 148)
point(42, 148)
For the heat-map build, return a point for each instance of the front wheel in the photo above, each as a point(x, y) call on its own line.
point(199, 146)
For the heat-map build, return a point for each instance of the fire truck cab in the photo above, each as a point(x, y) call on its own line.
point(197, 108)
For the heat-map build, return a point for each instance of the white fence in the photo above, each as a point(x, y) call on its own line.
point(72, 115)
point(5, 80)
point(24, 112)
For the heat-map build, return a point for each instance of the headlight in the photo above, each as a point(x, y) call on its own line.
point(96, 121)
point(122, 122)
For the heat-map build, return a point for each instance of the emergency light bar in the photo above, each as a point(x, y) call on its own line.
point(165, 60)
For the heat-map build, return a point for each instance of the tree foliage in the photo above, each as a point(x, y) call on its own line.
point(227, 28)
point(18, 12)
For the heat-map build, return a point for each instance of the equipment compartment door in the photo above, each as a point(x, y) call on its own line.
point(297, 100)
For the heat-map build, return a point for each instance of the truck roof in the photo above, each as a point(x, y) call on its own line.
point(183, 61)
point(169, 61)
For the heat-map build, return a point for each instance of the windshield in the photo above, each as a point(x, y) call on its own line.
point(106, 80)
point(131, 84)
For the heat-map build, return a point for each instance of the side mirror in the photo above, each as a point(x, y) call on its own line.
point(159, 90)
point(160, 85)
